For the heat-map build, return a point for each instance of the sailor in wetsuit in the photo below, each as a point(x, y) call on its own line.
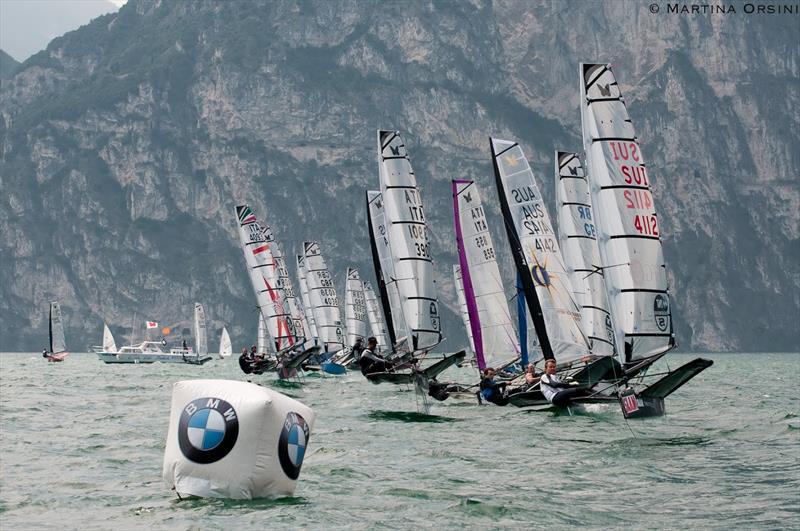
point(557, 392)
point(370, 362)
point(492, 391)
point(44, 353)
point(245, 362)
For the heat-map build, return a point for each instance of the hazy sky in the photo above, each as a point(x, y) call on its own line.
point(27, 26)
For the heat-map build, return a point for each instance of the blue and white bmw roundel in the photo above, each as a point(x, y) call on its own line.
point(292, 444)
point(208, 430)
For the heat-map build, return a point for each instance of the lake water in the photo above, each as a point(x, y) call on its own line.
point(81, 446)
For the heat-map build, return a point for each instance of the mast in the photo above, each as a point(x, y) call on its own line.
point(539, 263)
point(629, 235)
point(522, 323)
point(264, 277)
point(355, 308)
point(324, 301)
point(493, 333)
point(577, 237)
point(407, 232)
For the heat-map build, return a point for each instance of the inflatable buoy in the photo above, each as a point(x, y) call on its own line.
point(236, 440)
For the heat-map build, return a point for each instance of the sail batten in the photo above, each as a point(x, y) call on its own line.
point(409, 245)
point(537, 256)
point(629, 234)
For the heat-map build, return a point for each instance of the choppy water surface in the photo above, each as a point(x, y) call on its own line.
point(81, 446)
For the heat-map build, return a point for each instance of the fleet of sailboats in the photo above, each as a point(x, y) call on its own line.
point(593, 287)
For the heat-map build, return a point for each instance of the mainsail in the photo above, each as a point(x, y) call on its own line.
point(355, 308)
point(225, 347)
point(407, 232)
point(301, 275)
point(265, 278)
point(384, 269)
point(376, 324)
point(324, 302)
point(201, 342)
point(548, 290)
point(109, 345)
point(629, 236)
point(494, 338)
point(578, 240)
point(462, 306)
point(57, 342)
point(292, 304)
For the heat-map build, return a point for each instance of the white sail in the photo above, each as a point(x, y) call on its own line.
point(395, 316)
point(577, 237)
point(376, 323)
point(408, 242)
point(263, 344)
point(628, 232)
point(324, 302)
point(225, 347)
point(355, 308)
point(462, 307)
point(201, 341)
point(537, 255)
point(57, 342)
point(109, 345)
point(494, 338)
point(291, 301)
point(265, 279)
point(301, 275)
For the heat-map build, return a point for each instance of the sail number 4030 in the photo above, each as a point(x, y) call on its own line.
point(646, 225)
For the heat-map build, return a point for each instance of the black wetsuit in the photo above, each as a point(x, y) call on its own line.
point(369, 362)
point(492, 391)
point(245, 363)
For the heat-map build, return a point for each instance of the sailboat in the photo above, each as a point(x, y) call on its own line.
point(537, 256)
point(403, 264)
point(225, 347)
point(494, 339)
point(200, 355)
point(324, 305)
point(109, 345)
point(305, 297)
point(273, 292)
point(629, 238)
point(58, 346)
point(355, 315)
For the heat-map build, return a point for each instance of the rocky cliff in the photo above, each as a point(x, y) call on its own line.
point(126, 144)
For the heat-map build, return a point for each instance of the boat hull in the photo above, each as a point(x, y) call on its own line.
point(149, 357)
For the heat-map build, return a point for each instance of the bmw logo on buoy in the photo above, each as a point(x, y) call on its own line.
point(292, 444)
point(208, 430)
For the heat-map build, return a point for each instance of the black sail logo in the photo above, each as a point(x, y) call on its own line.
point(661, 311)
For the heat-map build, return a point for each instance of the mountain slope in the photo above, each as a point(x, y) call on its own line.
point(126, 145)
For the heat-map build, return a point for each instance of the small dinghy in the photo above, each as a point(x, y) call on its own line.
point(58, 346)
